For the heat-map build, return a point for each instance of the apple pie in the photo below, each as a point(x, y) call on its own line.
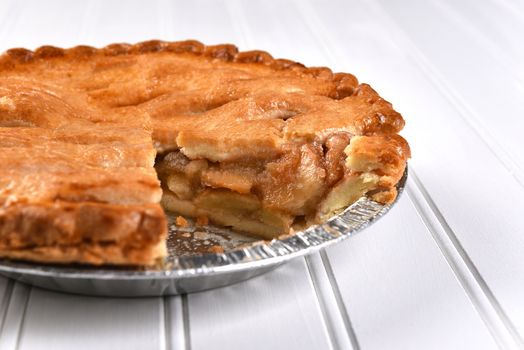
point(96, 143)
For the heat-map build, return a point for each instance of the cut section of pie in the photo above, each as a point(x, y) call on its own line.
point(92, 141)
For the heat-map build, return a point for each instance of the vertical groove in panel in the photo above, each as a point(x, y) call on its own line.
point(6, 300)
point(469, 277)
point(185, 317)
point(175, 329)
point(330, 309)
point(322, 305)
point(176, 334)
point(22, 321)
point(12, 328)
point(166, 318)
point(340, 302)
point(174, 323)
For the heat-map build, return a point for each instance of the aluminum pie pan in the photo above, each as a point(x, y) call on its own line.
point(188, 271)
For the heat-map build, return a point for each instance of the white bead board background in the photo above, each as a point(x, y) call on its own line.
point(443, 270)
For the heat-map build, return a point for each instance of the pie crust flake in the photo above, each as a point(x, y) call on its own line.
point(95, 143)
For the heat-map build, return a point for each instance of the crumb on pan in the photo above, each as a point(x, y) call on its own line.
point(181, 221)
point(216, 249)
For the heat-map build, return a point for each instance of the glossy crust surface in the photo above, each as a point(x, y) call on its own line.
point(78, 125)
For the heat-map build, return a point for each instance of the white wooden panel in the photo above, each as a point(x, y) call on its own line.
point(479, 199)
point(57, 321)
point(400, 291)
point(206, 21)
point(515, 7)
point(501, 37)
point(31, 24)
point(274, 27)
point(278, 310)
point(68, 23)
point(116, 21)
point(480, 78)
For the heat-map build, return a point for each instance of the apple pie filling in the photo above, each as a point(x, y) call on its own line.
point(306, 184)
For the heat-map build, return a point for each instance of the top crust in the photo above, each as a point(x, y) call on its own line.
point(224, 52)
point(214, 102)
point(345, 82)
point(99, 112)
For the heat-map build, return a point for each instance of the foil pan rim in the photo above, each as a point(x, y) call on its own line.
point(352, 220)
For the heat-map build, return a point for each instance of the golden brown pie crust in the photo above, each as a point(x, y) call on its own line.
point(79, 129)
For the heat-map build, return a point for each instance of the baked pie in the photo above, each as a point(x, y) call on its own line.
point(95, 143)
